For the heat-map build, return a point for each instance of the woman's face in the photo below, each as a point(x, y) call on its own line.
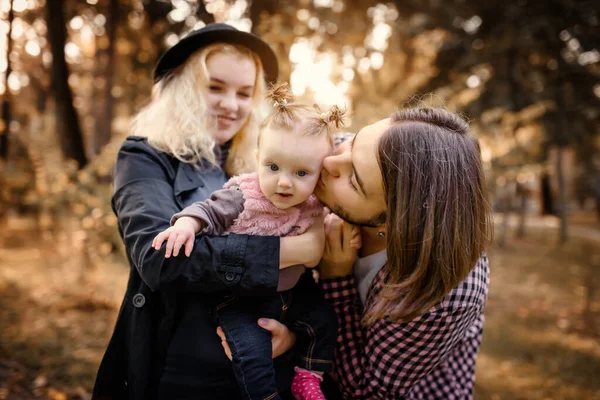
point(229, 93)
point(351, 184)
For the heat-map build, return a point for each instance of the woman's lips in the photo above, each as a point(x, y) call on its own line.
point(225, 122)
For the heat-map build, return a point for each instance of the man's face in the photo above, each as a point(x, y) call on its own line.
point(351, 184)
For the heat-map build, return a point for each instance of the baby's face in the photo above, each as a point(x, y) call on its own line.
point(289, 165)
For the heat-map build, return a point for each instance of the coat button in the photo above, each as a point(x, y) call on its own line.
point(139, 300)
point(229, 276)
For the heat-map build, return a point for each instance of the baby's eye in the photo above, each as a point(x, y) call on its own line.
point(302, 173)
point(273, 167)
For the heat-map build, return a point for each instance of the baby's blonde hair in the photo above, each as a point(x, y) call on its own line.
point(175, 120)
point(289, 115)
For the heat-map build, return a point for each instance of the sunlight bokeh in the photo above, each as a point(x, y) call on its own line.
point(312, 74)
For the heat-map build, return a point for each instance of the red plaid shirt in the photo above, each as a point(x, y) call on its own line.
point(431, 357)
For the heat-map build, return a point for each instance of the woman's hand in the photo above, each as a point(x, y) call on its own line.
point(342, 241)
point(305, 249)
point(282, 338)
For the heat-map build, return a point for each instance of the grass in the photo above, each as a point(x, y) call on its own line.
point(541, 339)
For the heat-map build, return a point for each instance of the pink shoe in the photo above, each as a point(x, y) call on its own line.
point(306, 385)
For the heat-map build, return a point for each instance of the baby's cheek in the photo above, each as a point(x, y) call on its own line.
point(313, 183)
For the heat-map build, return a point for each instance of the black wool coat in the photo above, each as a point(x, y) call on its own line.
point(149, 187)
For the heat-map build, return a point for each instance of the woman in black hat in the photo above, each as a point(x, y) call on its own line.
point(199, 128)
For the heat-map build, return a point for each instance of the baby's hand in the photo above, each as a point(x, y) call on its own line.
point(183, 232)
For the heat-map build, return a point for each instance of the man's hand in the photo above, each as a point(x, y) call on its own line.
point(342, 241)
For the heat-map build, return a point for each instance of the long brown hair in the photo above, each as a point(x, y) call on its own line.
point(438, 216)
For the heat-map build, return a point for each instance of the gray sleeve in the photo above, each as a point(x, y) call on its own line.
point(288, 277)
point(218, 213)
point(341, 137)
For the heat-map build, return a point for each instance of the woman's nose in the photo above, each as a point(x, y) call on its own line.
point(229, 102)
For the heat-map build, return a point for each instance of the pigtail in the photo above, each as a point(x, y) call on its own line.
point(334, 117)
point(328, 122)
point(288, 114)
point(280, 96)
point(282, 100)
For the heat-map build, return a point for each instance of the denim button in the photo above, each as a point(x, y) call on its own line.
point(139, 300)
point(229, 276)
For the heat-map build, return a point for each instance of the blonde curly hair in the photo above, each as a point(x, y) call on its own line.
point(175, 120)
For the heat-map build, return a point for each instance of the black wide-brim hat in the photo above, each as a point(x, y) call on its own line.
point(217, 33)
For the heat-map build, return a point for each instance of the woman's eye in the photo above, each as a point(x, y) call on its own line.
point(302, 173)
point(214, 88)
point(245, 95)
point(273, 167)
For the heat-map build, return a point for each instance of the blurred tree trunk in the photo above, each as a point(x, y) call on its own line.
point(515, 82)
point(505, 209)
point(157, 12)
point(5, 122)
point(272, 31)
point(523, 193)
point(502, 239)
point(564, 104)
point(67, 124)
point(106, 64)
point(257, 7)
point(546, 193)
point(204, 15)
point(562, 190)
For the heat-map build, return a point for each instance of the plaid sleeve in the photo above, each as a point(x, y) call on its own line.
point(340, 290)
point(342, 293)
point(397, 356)
point(386, 360)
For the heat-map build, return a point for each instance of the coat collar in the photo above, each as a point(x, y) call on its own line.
point(189, 176)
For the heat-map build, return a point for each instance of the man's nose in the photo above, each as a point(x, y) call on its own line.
point(332, 164)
